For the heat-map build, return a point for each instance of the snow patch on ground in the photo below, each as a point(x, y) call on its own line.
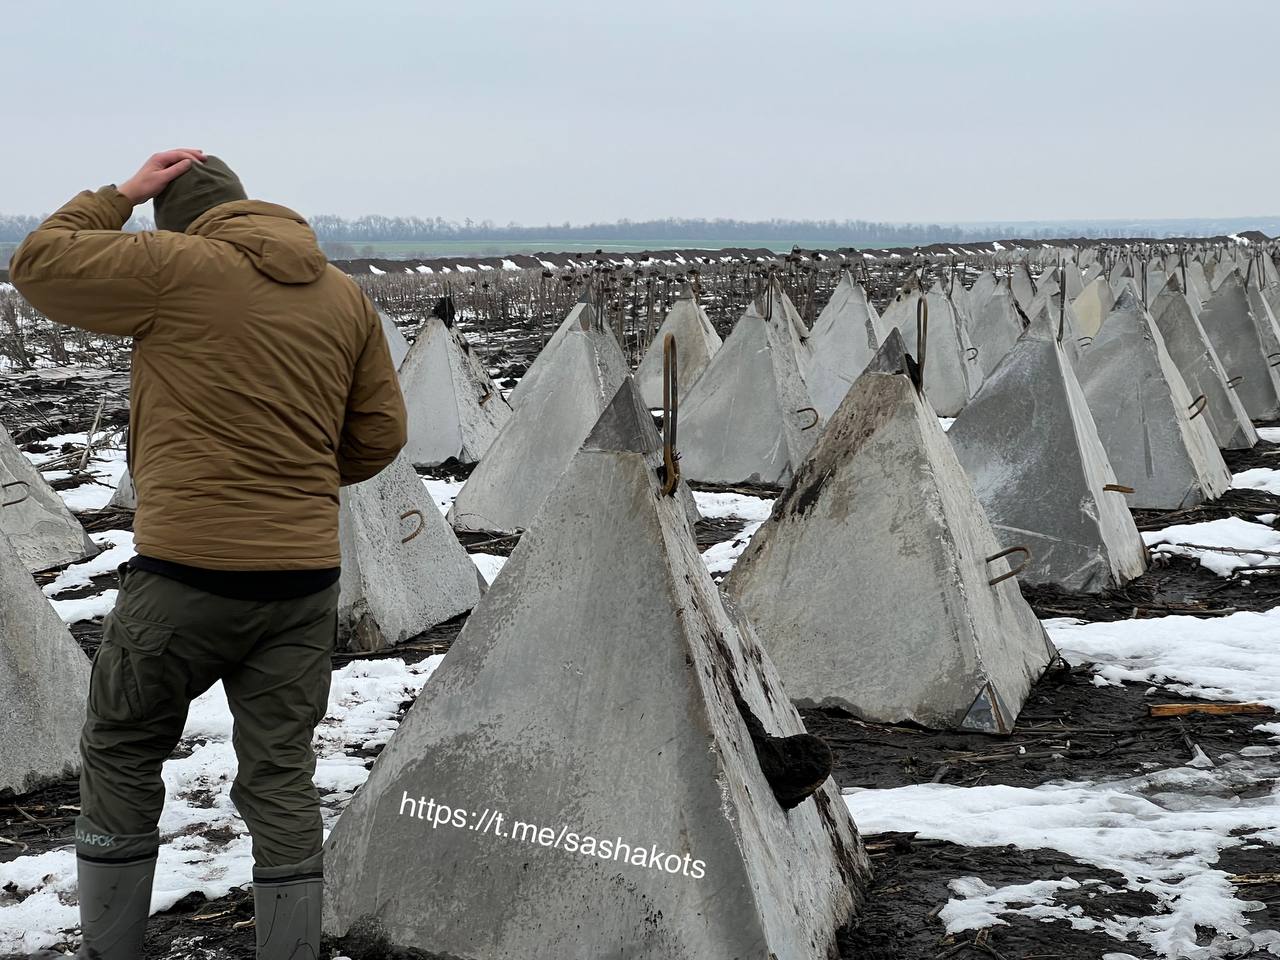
point(363, 703)
point(1234, 658)
point(1230, 532)
point(86, 608)
point(117, 548)
point(488, 564)
point(1269, 434)
point(715, 506)
point(721, 557)
point(1259, 478)
point(1163, 832)
point(443, 492)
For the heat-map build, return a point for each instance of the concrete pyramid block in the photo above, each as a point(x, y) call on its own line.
point(845, 337)
point(582, 315)
point(1023, 286)
point(455, 409)
point(1029, 444)
point(44, 680)
point(696, 343)
point(995, 327)
point(125, 497)
point(1092, 306)
point(588, 810)
point(403, 570)
point(982, 288)
point(951, 371)
point(1200, 367)
point(1073, 279)
point(751, 416)
point(396, 342)
point(42, 531)
point(1242, 344)
point(580, 374)
point(870, 585)
point(1151, 426)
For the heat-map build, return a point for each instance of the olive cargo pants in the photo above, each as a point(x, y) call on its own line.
point(164, 645)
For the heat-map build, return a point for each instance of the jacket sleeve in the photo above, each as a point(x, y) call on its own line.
point(375, 427)
point(79, 269)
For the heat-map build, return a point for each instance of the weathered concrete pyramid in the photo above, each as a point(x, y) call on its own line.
point(622, 809)
point(750, 416)
point(696, 343)
point(455, 410)
point(43, 532)
point(1029, 444)
point(1073, 278)
point(583, 314)
point(1150, 424)
point(1200, 367)
point(1241, 345)
point(1023, 287)
point(44, 680)
point(125, 496)
point(995, 327)
point(396, 342)
point(1092, 306)
point(845, 337)
point(951, 371)
point(982, 288)
point(580, 375)
point(870, 585)
point(403, 570)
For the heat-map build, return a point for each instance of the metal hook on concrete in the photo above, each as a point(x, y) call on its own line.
point(487, 394)
point(670, 414)
point(972, 354)
point(1273, 359)
point(1117, 488)
point(814, 423)
point(1235, 382)
point(1198, 405)
point(26, 492)
point(422, 522)
point(1016, 570)
point(922, 337)
point(1084, 341)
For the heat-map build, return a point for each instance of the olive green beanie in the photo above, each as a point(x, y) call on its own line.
point(201, 188)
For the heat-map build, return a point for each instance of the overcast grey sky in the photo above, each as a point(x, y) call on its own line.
point(905, 110)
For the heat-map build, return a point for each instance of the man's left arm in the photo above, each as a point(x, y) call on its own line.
point(79, 269)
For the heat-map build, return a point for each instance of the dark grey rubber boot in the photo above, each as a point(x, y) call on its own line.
point(115, 900)
point(286, 909)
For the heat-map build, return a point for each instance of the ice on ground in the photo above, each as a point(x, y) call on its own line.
point(715, 506)
point(1259, 478)
point(1233, 658)
point(1229, 532)
point(443, 492)
point(117, 547)
point(1163, 832)
point(37, 893)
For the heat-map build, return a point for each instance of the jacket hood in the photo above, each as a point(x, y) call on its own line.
point(276, 240)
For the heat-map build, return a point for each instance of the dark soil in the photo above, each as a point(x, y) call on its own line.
point(1069, 729)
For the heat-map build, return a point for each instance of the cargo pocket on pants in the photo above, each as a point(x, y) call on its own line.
point(134, 668)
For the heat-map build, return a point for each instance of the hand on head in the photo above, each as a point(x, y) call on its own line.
point(157, 172)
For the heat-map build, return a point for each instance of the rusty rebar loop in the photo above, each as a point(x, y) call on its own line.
point(922, 337)
point(1273, 359)
point(1117, 488)
point(26, 492)
point(814, 422)
point(670, 416)
point(1198, 405)
point(972, 354)
point(1025, 551)
point(488, 393)
point(1235, 382)
point(422, 523)
point(1084, 341)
